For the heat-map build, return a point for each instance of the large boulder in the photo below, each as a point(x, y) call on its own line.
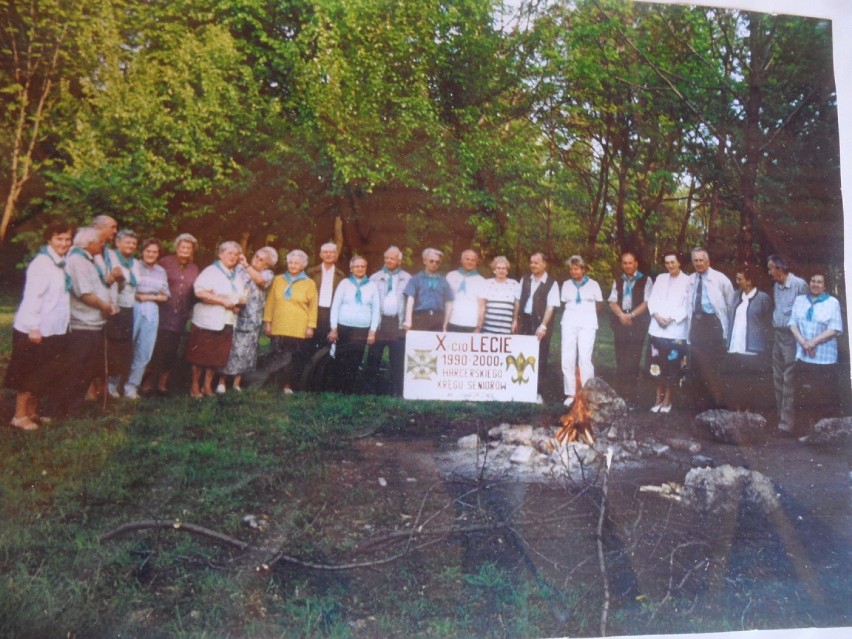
point(833, 431)
point(730, 427)
point(726, 488)
point(604, 405)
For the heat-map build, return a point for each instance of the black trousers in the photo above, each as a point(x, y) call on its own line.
point(389, 336)
point(629, 346)
point(817, 393)
point(706, 354)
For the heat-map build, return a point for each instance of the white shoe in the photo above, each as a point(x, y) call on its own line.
point(666, 409)
point(656, 408)
point(112, 389)
point(220, 389)
point(288, 391)
point(130, 393)
point(539, 399)
point(569, 401)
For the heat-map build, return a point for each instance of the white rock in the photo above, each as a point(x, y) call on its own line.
point(660, 448)
point(613, 433)
point(469, 441)
point(383, 482)
point(523, 455)
point(497, 431)
point(518, 435)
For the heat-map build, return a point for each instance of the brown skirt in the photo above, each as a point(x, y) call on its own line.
point(207, 348)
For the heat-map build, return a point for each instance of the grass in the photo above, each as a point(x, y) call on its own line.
point(212, 462)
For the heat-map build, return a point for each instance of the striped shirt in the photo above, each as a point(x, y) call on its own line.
point(499, 305)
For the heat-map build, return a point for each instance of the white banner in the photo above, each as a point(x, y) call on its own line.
point(471, 367)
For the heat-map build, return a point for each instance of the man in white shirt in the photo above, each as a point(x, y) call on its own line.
point(468, 290)
point(710, 301)
point(326, 276)
point(538, 298)
point(391, 281)
point(628, 302)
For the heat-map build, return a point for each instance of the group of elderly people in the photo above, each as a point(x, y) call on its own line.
point(92, 310)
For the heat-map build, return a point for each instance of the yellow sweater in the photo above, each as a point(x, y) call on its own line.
point(293, 317)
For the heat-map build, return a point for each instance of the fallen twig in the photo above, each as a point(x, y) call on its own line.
point(149, 524)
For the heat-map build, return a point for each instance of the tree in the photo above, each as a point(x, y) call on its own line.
point(45, 47)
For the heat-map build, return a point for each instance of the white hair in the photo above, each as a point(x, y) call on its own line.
point(186, 237)
point(329, 245)
point(300, 254)
point(431, 251)
point(270, 253)
point(230, 244)
point(393, 248)
point(86, 236)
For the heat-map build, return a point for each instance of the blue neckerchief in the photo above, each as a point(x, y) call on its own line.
point(101, 275)
point(60, 264)
point(231, 276)
point(390, 274)
point(288, 292)
point(358, 284)
point(579, 286)
point(431, 280)
point(813, 301)
point(466, 274)
point(630, 281)
point(128, 264)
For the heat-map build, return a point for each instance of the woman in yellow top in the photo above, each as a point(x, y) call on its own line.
point(290, 315)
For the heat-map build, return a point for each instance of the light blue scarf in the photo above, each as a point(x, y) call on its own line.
point(288, 292)
point(579, 286)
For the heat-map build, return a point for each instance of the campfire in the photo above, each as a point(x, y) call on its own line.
point(576, 424)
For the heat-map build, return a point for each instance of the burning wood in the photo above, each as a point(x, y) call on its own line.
point(576, 424)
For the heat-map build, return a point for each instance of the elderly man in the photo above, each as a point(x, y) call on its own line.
point(430, 298)
point(786, 289)
point(326, 276)
point(181, 273)
point(391, 281)
point(630, 320)
point(468, 288)
point(91, 305)
point(711, 295)
point(537, 299)
point(119, 328)
point(107, 227)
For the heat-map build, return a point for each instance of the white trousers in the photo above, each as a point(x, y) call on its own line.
point(577, 345)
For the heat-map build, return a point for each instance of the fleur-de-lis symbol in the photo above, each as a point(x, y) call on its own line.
point(423, 364)
point(520, 363)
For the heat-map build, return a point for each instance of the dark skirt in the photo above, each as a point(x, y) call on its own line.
point(747, 381)
point(33, 366)
point(665, 361)
point(207, 348)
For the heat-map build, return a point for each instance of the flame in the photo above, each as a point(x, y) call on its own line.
point(576, 424)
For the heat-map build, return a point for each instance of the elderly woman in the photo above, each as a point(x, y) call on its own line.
point(496, 307)
point(668, 329)
point(583, 300)
point(256, 276)
point(748, 371)
point(152, 290)
point(213, 317)
point(816, 322)
point(40, 325)
point(290, 315)
point(119, 328)
point(355, 315)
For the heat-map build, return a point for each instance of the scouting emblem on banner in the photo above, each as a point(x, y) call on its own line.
point(424, 364)
point(520, 363)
